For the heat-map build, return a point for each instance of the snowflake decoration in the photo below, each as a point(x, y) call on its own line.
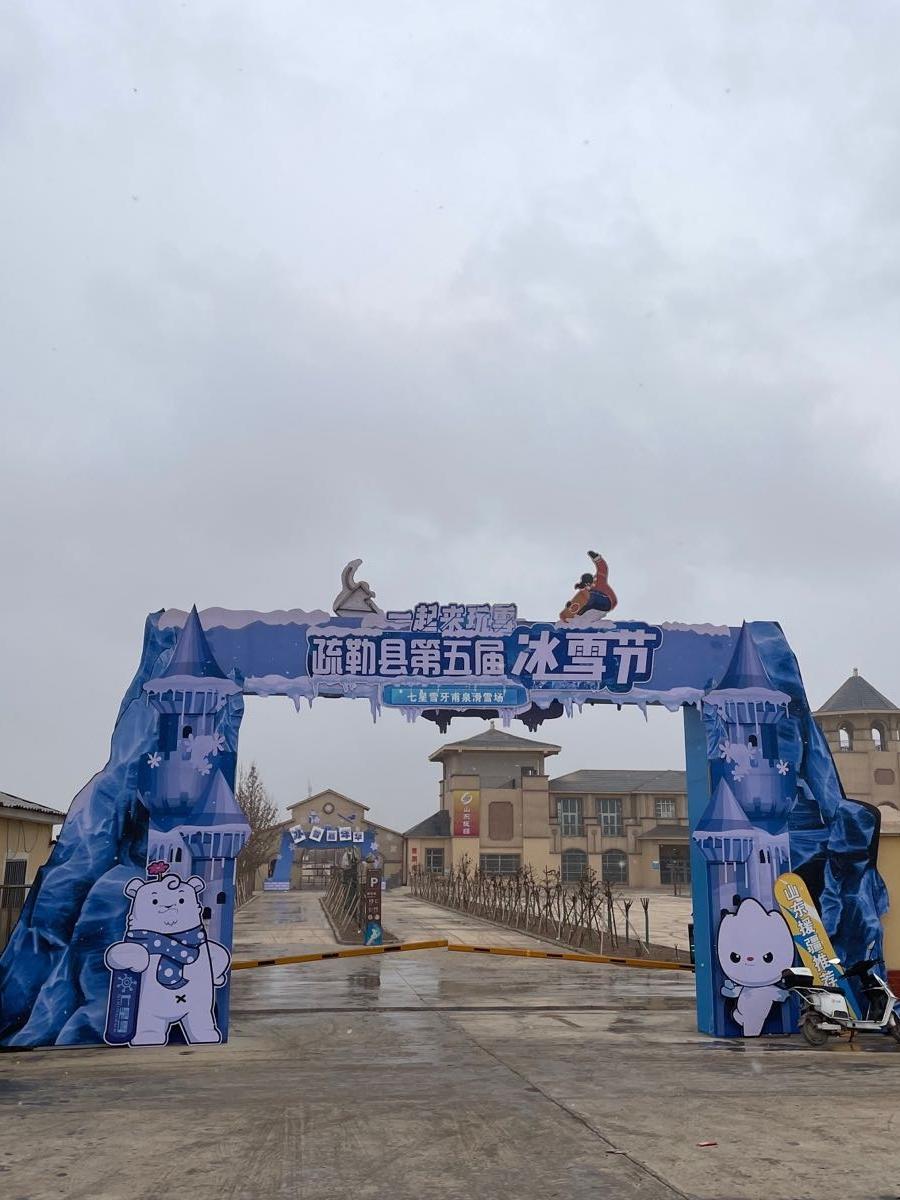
point(205, 767)
point(218, 744)
point(738, 773)
point(154, 760)
point(782, 767)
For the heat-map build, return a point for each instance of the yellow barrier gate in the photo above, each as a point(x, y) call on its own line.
point(647, 964)
point(351, 952)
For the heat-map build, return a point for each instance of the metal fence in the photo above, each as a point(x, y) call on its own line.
point(589, 913)
point(342, 901)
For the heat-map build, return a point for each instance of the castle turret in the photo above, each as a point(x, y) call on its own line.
point(725, 838)
point(215, 834)
point(189, 693)
point(749, 708)
point(742, 862)
point(195, 823)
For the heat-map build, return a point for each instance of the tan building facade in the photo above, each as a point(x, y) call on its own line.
point(26, 838)
point(334, 808)
point(630, 827)
point(862, 728)
point(502, 811)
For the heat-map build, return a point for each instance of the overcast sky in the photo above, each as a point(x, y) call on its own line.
point(464, 290)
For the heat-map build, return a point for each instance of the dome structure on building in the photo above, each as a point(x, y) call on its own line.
point(862, 727)
point(856, 695)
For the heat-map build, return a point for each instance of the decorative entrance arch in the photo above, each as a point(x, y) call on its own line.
point(102, 952)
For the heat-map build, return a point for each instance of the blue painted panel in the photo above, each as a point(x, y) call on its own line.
point(763, 790)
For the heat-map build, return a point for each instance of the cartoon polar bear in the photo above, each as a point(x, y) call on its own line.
point(180, 967)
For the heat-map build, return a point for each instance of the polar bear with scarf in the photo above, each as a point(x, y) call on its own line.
point(178, 966)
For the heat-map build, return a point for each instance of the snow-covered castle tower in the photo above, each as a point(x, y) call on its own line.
point(742, 713)
point(743, 834)
point(743, 860)
point(195, 823)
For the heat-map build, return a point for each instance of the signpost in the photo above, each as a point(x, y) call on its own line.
point(371, 905)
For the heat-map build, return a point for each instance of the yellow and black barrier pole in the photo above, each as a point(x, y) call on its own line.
point(352, 952)
point(646, 964)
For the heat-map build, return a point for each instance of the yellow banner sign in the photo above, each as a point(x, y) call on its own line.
point(810, 935)
point(466, 811)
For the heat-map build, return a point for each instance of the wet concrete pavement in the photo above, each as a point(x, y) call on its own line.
point(275, 923)
point(413, 920)
point(451, 1076)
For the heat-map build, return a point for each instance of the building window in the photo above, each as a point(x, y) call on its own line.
point(845, 736)
point(665, 809)
point(168, 732)
point(879, 737)
point(674, 864)
point(14, 883)
point(610, 813)
point(885, 775)
point(568, 810)
point(434, 860)
point(500, 864)
point(614, 865)
point(574, 866)
point(500, 821)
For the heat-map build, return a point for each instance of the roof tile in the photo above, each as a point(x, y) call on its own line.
point(857, 695)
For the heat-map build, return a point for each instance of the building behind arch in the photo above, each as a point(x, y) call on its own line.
point(500, 808)
point(862, 727)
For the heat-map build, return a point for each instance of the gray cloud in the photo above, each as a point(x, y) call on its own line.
point(464, 292)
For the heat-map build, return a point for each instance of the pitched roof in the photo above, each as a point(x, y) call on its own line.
point(435, 826)
point(723, 813)
point(219, 806)
point(8, 801)
point(192, 655)
point(383, 828)
point(621, 781)
point(857, 695)
point(329, 792)
point(746, 669)
point(496, 739)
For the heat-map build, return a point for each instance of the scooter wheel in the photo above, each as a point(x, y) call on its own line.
point(893, 1027)
point(811, 1028)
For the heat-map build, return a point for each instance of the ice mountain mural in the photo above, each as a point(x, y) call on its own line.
point(87, 964)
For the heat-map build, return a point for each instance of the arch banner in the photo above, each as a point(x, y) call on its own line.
point(127, 931)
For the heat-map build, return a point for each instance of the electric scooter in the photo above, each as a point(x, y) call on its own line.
point(824, 1010)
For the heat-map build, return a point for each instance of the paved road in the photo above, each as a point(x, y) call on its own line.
point(453, 1076)
point(275, 923)
point(414, 920)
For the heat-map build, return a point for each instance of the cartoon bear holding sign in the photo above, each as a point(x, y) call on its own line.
point(166, 970)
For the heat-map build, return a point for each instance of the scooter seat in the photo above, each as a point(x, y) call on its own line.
point(797, 977)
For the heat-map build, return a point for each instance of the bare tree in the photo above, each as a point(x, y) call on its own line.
point(262, 817)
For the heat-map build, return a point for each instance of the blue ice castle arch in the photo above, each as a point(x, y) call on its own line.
point(763, 793)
